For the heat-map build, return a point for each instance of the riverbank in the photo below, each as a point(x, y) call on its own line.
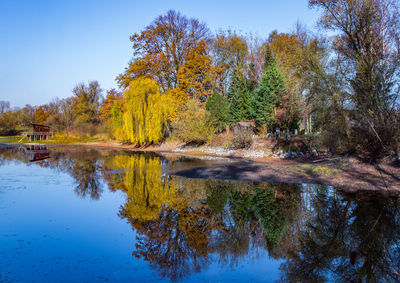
point(252, 164)
point(346, 173)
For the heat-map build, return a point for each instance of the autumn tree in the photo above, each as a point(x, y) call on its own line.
point(86, 102)
point(60, 115)
point(229, 53)
point(105, 112)
point(197, 77)
point(25, 115)
point(298, 56)
point(161, 48)
point(117, 121)
point(67, 115)
point(316, 80)
point(10, 119)
point(287, 50)
point(41, 114)
point(255, 59)
point(8, 122)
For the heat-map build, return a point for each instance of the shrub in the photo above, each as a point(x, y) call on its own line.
point(106, 129)
point(262, 131)
point(242, 139)
point(377, 136)
point(85, 129)
point(192, 124)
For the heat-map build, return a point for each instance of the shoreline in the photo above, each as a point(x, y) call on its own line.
point(344, 173)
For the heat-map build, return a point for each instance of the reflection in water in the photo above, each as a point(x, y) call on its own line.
point(39, 152)
point(83, 165)
point(185, 225)
point(347, 238)
point(322, 234)
point(174, 222)
point(85, 172)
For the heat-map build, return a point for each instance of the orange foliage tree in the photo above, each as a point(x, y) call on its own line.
point(41, 114)
point(105, 112)
point(161, 48)
point(197, 77)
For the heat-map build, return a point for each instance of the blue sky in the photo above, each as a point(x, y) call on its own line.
point(47, 47)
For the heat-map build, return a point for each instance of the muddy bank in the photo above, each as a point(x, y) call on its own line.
point(349, 175)
point(344, 173)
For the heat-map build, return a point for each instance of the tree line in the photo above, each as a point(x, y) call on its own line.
point(189, 83)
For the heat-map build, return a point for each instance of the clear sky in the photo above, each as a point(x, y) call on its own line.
point(47, 47)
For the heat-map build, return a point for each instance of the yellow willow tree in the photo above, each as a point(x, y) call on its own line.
point(144, 112)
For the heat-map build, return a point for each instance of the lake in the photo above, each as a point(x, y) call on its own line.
point(70, 214)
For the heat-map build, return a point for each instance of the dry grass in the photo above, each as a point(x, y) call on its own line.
point(224, 140)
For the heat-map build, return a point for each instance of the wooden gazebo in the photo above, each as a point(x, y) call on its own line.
point(40, 132)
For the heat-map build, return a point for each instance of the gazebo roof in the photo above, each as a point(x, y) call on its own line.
point(34, 124)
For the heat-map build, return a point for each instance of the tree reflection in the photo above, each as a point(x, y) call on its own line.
point(347, 238)
point(182, 222)
point(322, 234)
point(83, 165)
point(174, 224)
point(255, 215)
point(85, 172)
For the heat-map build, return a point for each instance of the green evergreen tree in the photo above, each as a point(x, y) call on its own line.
point(218, 108)
point(266, 97)
point(240, 94)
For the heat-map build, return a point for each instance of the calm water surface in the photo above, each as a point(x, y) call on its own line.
point(84, 215)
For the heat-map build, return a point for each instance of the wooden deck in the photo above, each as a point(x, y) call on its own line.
point(37, 136)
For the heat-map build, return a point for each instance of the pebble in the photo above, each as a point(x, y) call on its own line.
point(226, 152)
